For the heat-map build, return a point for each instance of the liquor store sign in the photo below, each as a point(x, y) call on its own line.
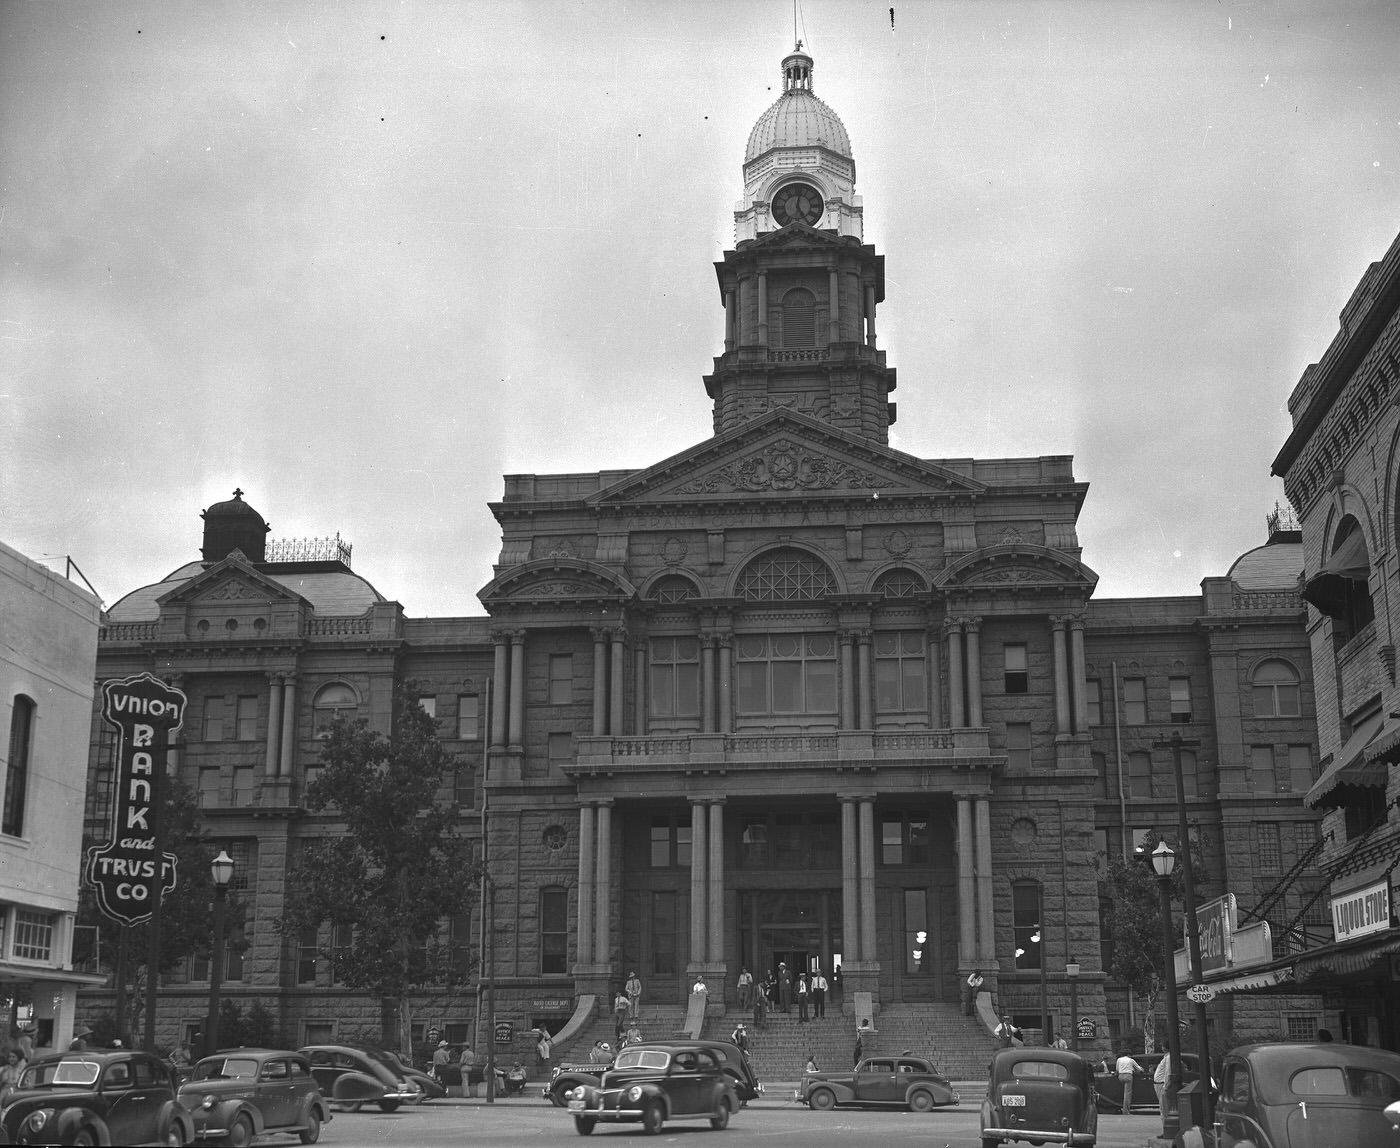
point(131, 873)
point(1361, 911)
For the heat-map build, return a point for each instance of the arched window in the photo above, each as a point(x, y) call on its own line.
point(786, 575)
point(799, 319)
point(1275, 686)
point(898, 583)
point(333, 701)
point(672, 588)
point(1341, 589)
point(17, 767)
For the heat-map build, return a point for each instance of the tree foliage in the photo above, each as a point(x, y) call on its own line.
point(400, 867)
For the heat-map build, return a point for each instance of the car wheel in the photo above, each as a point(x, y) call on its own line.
point(312, 1132)
point(347, 1105)
point(584, 1124)
point(920, 1101)
point(240, 1133)
point(652, 1118)
point(720, 1120)
point(990, 1142)
point(556, 1095)
point(822, 1099)
point(85, 1136)
point(174, 1135)
point(387, 1105)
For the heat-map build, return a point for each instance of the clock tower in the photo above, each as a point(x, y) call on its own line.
point(800, 288)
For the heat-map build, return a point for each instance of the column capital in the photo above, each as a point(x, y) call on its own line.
point(500, 635)
point(862, 634)
point(952, 625)
point(274, 676)
point(846, 637)
point(972, 625)
point(715, 800)
point(599, 633)
point(517, 637)
point(1076, 621)
point(602, 802)
point(724, 638)
point(1059, 621)
point(618, 635)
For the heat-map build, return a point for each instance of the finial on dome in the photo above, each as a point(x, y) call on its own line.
point(797, 71)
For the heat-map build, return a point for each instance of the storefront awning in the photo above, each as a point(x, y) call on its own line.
point(1349, 766)
point(1247, 982)
point(1332, 587)
point(12, 972)
point(1348, 957)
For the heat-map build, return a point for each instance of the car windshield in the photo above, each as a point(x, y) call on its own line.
point(226, 1068)
point(60, 1072)
point(641, 1058)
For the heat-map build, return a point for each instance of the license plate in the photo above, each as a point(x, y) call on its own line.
point(1013, 1100)
point(576, 1105)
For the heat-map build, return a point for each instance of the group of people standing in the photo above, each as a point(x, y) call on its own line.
point(781, 991)
point(627, 1011)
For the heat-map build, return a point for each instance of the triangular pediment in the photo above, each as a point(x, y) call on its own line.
point(231, 580)
point(800, 235)
point(785, 454)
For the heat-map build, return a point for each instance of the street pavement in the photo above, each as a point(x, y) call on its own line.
point(773, 1121)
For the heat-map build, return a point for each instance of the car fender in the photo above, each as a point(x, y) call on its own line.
point(844, 1093)
point(941, 1094)
point(314, 1102)
point(69, 1121)
point(724, 1088)
point(227, 1111)
point(173, 1112)
point(987, 1114)
point(572, 1079)
point(655, 1093)
point(352, 1086)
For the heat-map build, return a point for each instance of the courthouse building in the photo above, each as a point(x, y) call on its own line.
point(790, 695)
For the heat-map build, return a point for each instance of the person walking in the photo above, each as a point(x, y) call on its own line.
point(760, 1007)
point(818, 995)
point(1007, 1033)
point(740, 1037)
point(784, 987)
point(1126, 1068)
point(859, 1053)
point(621, 1010)
point(1160, 1076)
point(836, 982)
point(804, 993)
point(745, 989)
point(441, 1059)
point(471, 1075)
point(634, 995)
point(811, 1065)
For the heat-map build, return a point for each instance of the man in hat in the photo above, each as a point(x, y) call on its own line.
point(80, 1040)
point(634, 994)
point(441, 1059)
point(784, 987)
point(740, 1036)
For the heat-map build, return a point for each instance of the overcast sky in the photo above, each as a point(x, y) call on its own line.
point(362, 259)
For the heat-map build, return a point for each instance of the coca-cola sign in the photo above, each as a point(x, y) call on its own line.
point(130, 872)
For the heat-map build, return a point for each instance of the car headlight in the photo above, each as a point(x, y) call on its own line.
point(210, 1101)
point(38, 1119)
point(634, 1094)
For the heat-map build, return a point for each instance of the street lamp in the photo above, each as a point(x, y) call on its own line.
point(1039, 938)
point(221, 869)
point(1164, 862)
point(1072, 973)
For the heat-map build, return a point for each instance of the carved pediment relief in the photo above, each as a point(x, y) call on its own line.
point(557, 579)
point(1014, 564)
point(788, 464)
point(231, 590)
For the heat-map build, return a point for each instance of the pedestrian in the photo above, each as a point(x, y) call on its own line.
point(803, 994)
point(471, 1075)
point(784, 987)
point(9, 1074)
point(811, 1065)
point(634, 995)
point(634, 1034)
point(441, 1059)
point(621, 1010)
point(543, 1048)
point(1160, 1076)
point(861, 1034)
point(973, 986)
point(79, 1042)
point(600, 1053)
point(740, 1036)
point(818, 995)
point(836, 983)
point(745, 989)
point(1008, 1034)
point(1126, 1068)
point(180, 1058)
point(701, 990)
point(1060, 1043)
point(760, 1007)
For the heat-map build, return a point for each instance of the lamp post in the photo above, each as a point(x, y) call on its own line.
point(1164, 862)
point(221, 869)
point(1072, 975)
point(1039, 938)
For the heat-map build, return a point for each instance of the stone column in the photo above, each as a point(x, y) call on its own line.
point(586, 863)
point(699, 898)
point(867, 880)
point(850, 881)
point(716, 882)
point(600, 681)
point(834, 278)
point(1078, 674)
point(729, 306)
point(602, 886)
point(933, 670)
point(967, 893)
point(1057, 638)
point(289, 725)
point(973, 630)
point(517, 691)
point(982, 832)
point(501, 689)
point(870, 315)
point(707, 683)
point(866, 690)
point(639, 689)
point(762, 309)
point(957, 717)
point(725, 653)
point(848, 681)
point(274, 725)
point(615, 686)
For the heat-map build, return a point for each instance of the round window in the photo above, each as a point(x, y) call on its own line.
point(555, 838)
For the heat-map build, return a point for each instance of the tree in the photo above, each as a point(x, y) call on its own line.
point(400, 869)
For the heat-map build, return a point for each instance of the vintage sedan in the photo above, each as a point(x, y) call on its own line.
point(1110, 1088)
point(355, 1074)
point(1305, 1096)
point(429, 1087)
point(236, 1095)
point(654, 1082)
point(879, 1081)
point(1041, 1095)
point(99, 1097)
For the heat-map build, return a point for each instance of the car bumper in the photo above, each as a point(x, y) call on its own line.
point(1085, 1138)
point(619, 1115)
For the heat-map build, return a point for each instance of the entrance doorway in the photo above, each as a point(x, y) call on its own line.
point(800, 928)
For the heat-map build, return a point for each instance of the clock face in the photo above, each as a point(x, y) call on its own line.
point(797, 201)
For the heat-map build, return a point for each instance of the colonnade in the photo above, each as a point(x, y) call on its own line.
point(595, 882)
point(963, 638)
point(757, 289)
point(281, 724)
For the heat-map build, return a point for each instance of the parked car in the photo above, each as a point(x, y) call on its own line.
point(236, 1095)
point(879, 1081)
point(429, 1086)
point(99, 1097)
point(656, 1081)
point(566, 1077)
point(354, 1074)
point(1110, 1088)
point(736, 1062)
point(1304, 1095)
point(1040, 1095)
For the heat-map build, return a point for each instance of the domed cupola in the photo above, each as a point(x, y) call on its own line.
point(234, 525)
point(798, 165)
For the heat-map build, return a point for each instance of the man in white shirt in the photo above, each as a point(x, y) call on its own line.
point(818, 995)
point(1126, 1068)
point(1159, 1081)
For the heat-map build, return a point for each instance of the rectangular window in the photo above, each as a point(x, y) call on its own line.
point(918, 950)
point(789, 841)
point(670, 843)
point(342, 940)
point(1300, 1028)
point(561, 747)
point(1134, 701)
point(1261, 768)
point(1093, 702)
point(892, 841)
point(247, 718)
point(306, 957)
point(1181, 699)
point(561, 679)
point(464, 786)
point(663, 933)
point(1306, 834)
point(428, 704)
point(242, 786)
point(1014, 673)
point(554, 930)
point(209, 788)
point(213, 719)
point(1105, 933)
point(787, 674)
point(1300, 768)
point(1140, 774)
point(1190, 786)
point(33, 936)
point(1267, 858)
point(753, 842)
point(468, 717)
point(17, 769)
point(901, 684)
point(235, 945)
point(1025, 923)
point(1018, 745)
point(675, 677)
